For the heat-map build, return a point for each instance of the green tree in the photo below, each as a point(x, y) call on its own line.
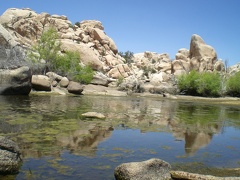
point(209, 84)
point(65, 64)
point(187, 83)
point(128, 56)
point(203, 84)
point(233, 85)
point(47, 48)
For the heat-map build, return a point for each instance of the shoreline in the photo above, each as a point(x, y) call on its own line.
point(113, 91)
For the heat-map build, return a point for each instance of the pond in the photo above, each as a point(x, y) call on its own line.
point(58, 143)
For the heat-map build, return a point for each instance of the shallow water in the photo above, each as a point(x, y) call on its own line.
point(58, 143)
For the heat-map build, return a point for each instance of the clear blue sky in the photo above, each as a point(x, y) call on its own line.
point(153, 25)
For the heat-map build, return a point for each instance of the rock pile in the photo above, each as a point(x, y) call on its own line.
point(149, 71)
point(54, 82)
point(86, 37)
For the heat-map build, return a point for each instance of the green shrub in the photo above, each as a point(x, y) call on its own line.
point(47, 48)
point(187, 83)
point(209, 84)
point(77, 24)
point(128, 56)
point(203, 84)
point(233, 85)
point(84, 74)
point(66, 64)
point(120, 80)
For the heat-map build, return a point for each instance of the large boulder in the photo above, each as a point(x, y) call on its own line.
point(10, 160)
point(75, 87)
point(41, 83)
point(15, 76)
point(15, 82)
point(131, 84)
point(203, 56)
point(11, 15)
point(12, 55)
point(88, 55)
point(154, 169)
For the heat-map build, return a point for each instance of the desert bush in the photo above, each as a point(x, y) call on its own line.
point(209, 84)
point(128, 56)
point(187, 83)
point(233, 85)
point(47, 49)
point(65, 64)
point(84, 74)
point(203, 84)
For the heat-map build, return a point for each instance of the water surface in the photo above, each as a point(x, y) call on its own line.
point(58, 143)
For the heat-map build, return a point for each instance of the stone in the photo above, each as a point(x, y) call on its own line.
point(131, 84)
point(154, 169)
point(180, 65)
point(100, 79)
point(87, 54)
point(219, 66)
point(94, 115)
point(64, 82)
point(202, 52)
point(91, 23)
point(234, 69)
point(75, 87)
point(13, 14)
point(15, 82)
point(41, 83)
point(53, 76)
point(163, 66)
point(193, 176)
point(12, 55)
point(10, 156)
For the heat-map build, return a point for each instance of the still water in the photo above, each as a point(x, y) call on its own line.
point(58, 143)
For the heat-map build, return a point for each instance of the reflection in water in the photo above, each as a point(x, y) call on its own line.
point(194, 141)
point(50, 125)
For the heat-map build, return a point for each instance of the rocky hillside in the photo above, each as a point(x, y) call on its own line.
point(151, 71)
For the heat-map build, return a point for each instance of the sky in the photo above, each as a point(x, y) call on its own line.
point(162, 26)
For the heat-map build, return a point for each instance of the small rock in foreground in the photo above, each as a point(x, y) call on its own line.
point(94, 115)
point(154, 169)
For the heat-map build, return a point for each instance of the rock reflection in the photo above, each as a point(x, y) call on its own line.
point(196, 124)
point(84, 142)
point(47, 125)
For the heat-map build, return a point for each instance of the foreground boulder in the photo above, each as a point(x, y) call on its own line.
point(15, 76)
point(94, 115)
point(10, 160)
point(15, 82)
point(193, 176)
point(41, 83)
point(154, 169)
point(75, 87)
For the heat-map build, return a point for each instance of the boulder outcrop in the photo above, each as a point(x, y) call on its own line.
point(10, 156)
point(201, 57)
point(155, 72)
point(16, 81)
point(15, 76)
point(87, 37)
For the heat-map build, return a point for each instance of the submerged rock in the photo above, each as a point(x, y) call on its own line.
point(10, 160)
point(94, 115)
point(154, 169)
